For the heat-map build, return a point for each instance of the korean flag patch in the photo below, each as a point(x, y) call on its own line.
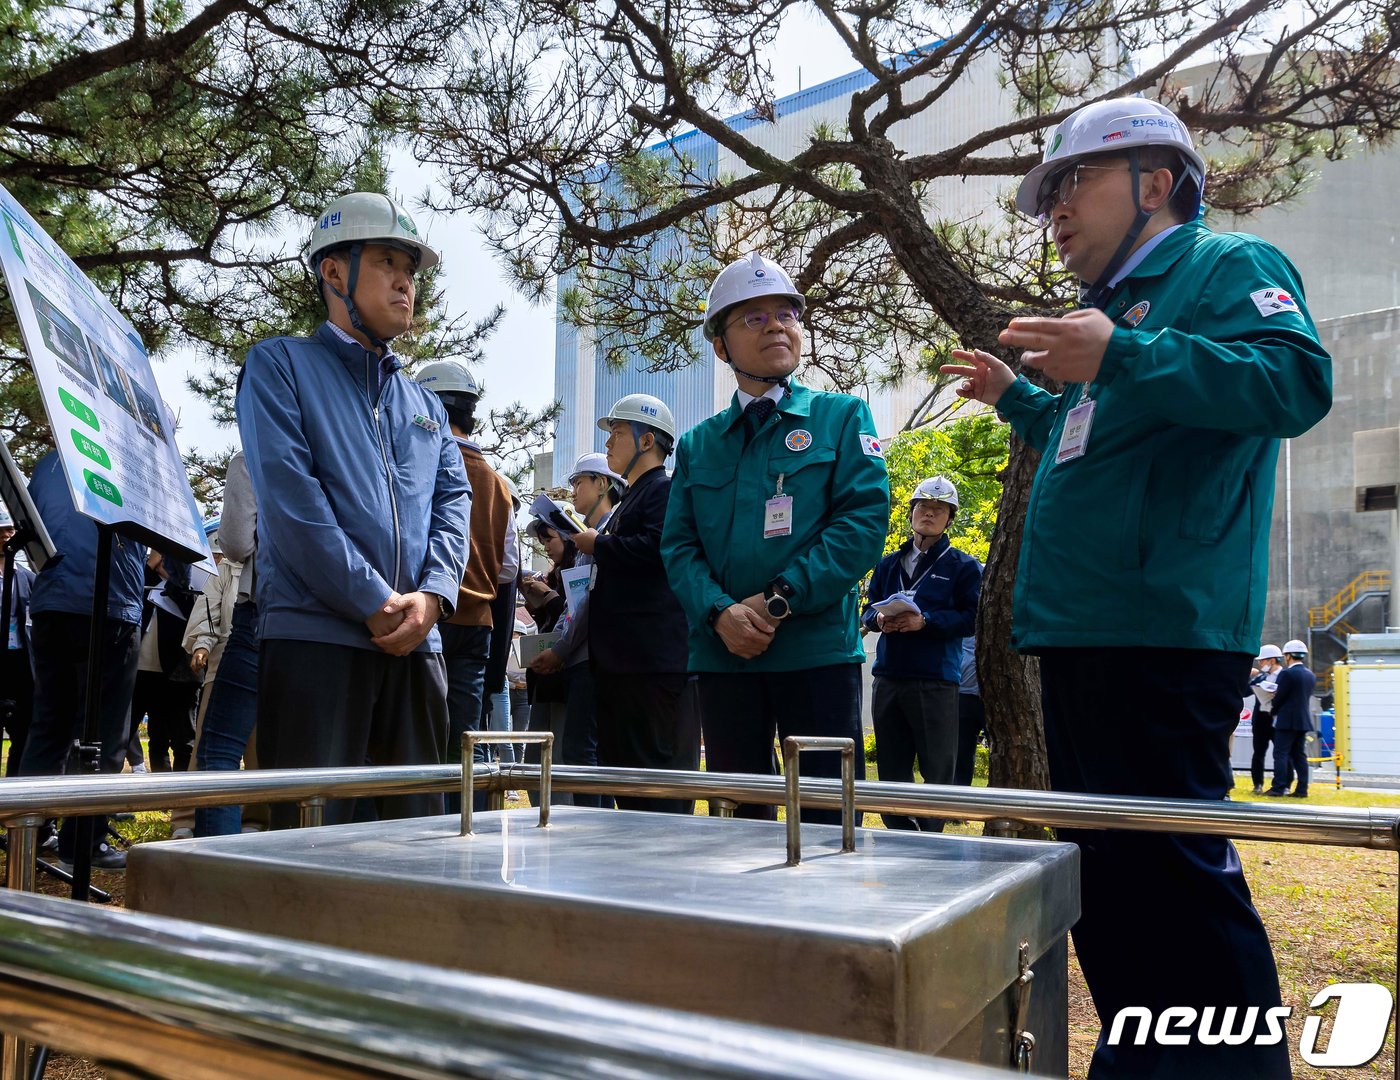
point(871, 446)
point(1272, 301)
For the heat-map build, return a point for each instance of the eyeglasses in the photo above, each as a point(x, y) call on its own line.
point(1060, 188)
point(757, 320)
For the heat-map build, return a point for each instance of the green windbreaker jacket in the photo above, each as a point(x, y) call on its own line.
point(1159, 534)
point(824, 448)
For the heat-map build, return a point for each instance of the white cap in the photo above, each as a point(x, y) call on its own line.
point(1269, 652)
point(1295, 648)
point(447, 376)
point(747, 279)
point(367, 217)
point(938, 488)
point(1110, 127)
point(643, 409)
point(595, 464)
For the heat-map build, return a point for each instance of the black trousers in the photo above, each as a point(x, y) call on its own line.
point(641, 725)
point(1263, 724)
point(1166, 920)
point(323, 706)
point(169, 711)
point(740, 713)
point(915, 718)
point(972, 718)
point(1290, 758)
point(60, 644)
point(16, 702)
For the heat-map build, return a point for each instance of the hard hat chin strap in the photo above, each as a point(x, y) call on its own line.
point(345, 297)
point(1097, 294)
point(772, 380)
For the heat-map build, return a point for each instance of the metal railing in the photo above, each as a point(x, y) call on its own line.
point(167, 998)
point(25, 804)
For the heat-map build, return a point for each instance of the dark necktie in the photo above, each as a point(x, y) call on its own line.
point(756, 415)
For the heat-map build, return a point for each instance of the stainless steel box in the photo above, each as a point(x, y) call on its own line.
point(914, 941)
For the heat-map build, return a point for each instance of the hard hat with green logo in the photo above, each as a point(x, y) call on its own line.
point(367, 217)
point(1120, 126)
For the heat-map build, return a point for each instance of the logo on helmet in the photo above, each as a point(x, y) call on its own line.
point(1059, 138)
point(407, 223)
point(1114, 136)
point(758, 273)
point(330, 220)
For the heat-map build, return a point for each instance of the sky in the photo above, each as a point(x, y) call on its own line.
point(519, 357)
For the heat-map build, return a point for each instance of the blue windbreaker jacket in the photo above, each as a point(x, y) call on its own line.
point(361, 491)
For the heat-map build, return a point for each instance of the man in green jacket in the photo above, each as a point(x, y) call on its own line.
point(778, 508)
point(1143, 567)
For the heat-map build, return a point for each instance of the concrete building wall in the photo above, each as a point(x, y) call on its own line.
point(1319, 542)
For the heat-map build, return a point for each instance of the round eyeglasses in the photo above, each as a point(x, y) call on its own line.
point(757, 320)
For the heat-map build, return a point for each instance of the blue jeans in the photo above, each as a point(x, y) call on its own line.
point(229, 719)
point(500, 719)
point(464, 652)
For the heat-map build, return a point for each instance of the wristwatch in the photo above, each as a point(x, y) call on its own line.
point(776, 598)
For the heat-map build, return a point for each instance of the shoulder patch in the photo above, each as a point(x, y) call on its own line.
point(1272, 301)
point(871, 445)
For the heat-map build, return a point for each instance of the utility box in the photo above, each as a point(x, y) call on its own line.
point(916, 941)
point(1367, 704)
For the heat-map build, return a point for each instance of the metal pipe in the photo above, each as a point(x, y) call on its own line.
point(168, 998)
point(22, 848)
point(793, 746)
point(469, 741)
point(1373, 827)
point(312, 812)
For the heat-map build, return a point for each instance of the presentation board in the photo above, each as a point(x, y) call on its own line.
point(115, 439)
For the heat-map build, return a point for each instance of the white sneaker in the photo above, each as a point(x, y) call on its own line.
point(182, 834)
point(140, 767)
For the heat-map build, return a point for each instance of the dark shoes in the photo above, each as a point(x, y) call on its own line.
point(104, 858)
point(1275, 794)
point(1297, 794)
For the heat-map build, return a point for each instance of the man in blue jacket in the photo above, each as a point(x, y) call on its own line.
point(60, 604)
point(1292, 721)
point(1143, 566)
point(922, 601)
point(363, 507)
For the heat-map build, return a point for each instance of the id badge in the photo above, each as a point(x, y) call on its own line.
point(1075, 436)
point(777, 517)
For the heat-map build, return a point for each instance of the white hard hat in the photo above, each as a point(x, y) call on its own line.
point(6, 522)
point(938, 488)
point(521, 628)
point(593, 464)
point(514, 491)
point(1269, 652)
point(1295, 648)
point(367, 217)
point(1109, 127)
point(641, 409)
point(744, 280)
point(448, 376)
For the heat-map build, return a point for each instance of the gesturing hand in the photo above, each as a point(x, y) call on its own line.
point(1068, 349)
point(985, 377)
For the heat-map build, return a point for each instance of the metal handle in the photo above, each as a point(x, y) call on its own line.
point(469, 741)
point(1022, 1041)
point(794, 745)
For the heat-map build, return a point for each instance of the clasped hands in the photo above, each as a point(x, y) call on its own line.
point(904, 622)
point(746, 628)
point(403, 622)
point(1068, 349)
